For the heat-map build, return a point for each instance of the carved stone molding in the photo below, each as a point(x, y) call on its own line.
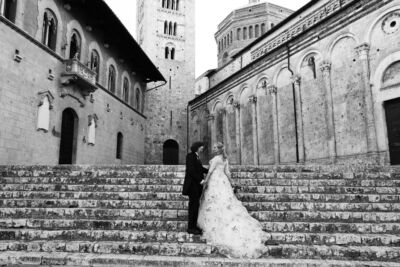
point(296, 79)
point(253, 99)
point(272, 90)
point(46, 94)
point(236, 105)
point(210, 118)
point(325, 66)
point(363, 50)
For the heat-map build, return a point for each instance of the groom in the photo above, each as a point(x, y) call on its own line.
point(192, 187)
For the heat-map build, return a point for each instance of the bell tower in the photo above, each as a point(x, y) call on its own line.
point(165, 31)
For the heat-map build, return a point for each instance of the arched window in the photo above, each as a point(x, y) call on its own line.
point(173, 4)
point(170, 29)
point(166, 52)
point(95, 63)
point(125, 90)
point(177, 5)
point(75, 46)
point(163, 3)
point(168, 3)
point(263, 28)
point(244, 33)
point(238, 34)
point(250, 32)
point(257, 31)
point(165, 27)
point(49, 37)
point(138, 96)
point(111, 79)
point(173, 53)
point(120, 143)
point(175, 28)
point(8, 8)
point(231, 37)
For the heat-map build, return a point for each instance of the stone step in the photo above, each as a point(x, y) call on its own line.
point(176, 226)
point(102, 235)
point(178, 188)
point(171, 196)
point(341, 239)
point(312, 182)
point(183, 205)
point(146, 214)
point(354, 253)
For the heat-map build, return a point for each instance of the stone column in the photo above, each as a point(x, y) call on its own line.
point(363, 53)
point(272, 90)
point(236, 105)
point(211, 126)
point(296, 79)
point(224, 124)
point(326, 73)
point(253, 102)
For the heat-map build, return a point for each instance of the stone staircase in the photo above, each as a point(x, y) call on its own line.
point(136, 216)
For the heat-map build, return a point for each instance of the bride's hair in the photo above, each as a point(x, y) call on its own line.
point(221, 150)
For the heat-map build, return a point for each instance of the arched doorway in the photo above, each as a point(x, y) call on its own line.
point(69, 137)
point(392, 109)
point(171, 152)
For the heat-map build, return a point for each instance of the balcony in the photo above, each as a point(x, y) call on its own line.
point(76, 73)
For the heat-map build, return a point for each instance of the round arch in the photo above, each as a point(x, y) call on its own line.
point(170, 152)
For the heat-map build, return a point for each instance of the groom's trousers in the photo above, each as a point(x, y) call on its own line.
point(194, 203)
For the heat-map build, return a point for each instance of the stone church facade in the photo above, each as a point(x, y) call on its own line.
point(72, 85)
point(165, 30)
point(321, 87)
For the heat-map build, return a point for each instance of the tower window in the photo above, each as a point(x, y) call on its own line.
point(244, 33)
point(8, 8)
point(163, 3)
point(238, 34)
point(263, 28)
point(257, 31)
point(166, 52)
point(165, 27)
point(125, 90)
point(49, 37)
point(173, 53)
point(250, 32)
point(177, 5)
point(111, 79)
point(175, 27)
point(95, 63)
point(75, 46)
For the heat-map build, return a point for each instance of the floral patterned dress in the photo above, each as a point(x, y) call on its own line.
point(224, 220)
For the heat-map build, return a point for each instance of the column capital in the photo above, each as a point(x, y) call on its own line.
point(325, 66)
point(253, 99)
point(296, 79)
point(210, 117)
point(236, 105)
point(272, 89)
point(363, 50)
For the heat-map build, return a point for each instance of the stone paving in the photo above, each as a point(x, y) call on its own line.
point(135, 215)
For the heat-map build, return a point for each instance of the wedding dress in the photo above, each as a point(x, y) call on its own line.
point(224, 220)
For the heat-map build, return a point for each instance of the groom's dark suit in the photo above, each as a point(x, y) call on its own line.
point(192, 187)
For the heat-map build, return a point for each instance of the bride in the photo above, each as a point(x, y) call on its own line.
point(225, 222)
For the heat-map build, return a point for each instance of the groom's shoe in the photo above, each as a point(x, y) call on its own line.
point(194, 231)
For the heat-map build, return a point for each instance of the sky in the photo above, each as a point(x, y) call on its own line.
point(209, 13)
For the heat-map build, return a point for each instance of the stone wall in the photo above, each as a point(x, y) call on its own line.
point(38, 72)
point(323, 103)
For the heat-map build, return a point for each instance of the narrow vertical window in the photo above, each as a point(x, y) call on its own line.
point(238, 34)
point(111, 79)
point(170, 28)
point(177, 5)
point(125, 90)
point(163, 3)
point(120, 141)
point(8, 8)
point(165, 27)
point(244, 33)
point(168, 4)
point(173, 53)
point(263, 28)
point(173, 4)
point(257, 31)
point(166, 52)
point(75, 46)
point(250, 32)
point(175, 28)
point(95, 63)
point(231, 37)
point(49, 34)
